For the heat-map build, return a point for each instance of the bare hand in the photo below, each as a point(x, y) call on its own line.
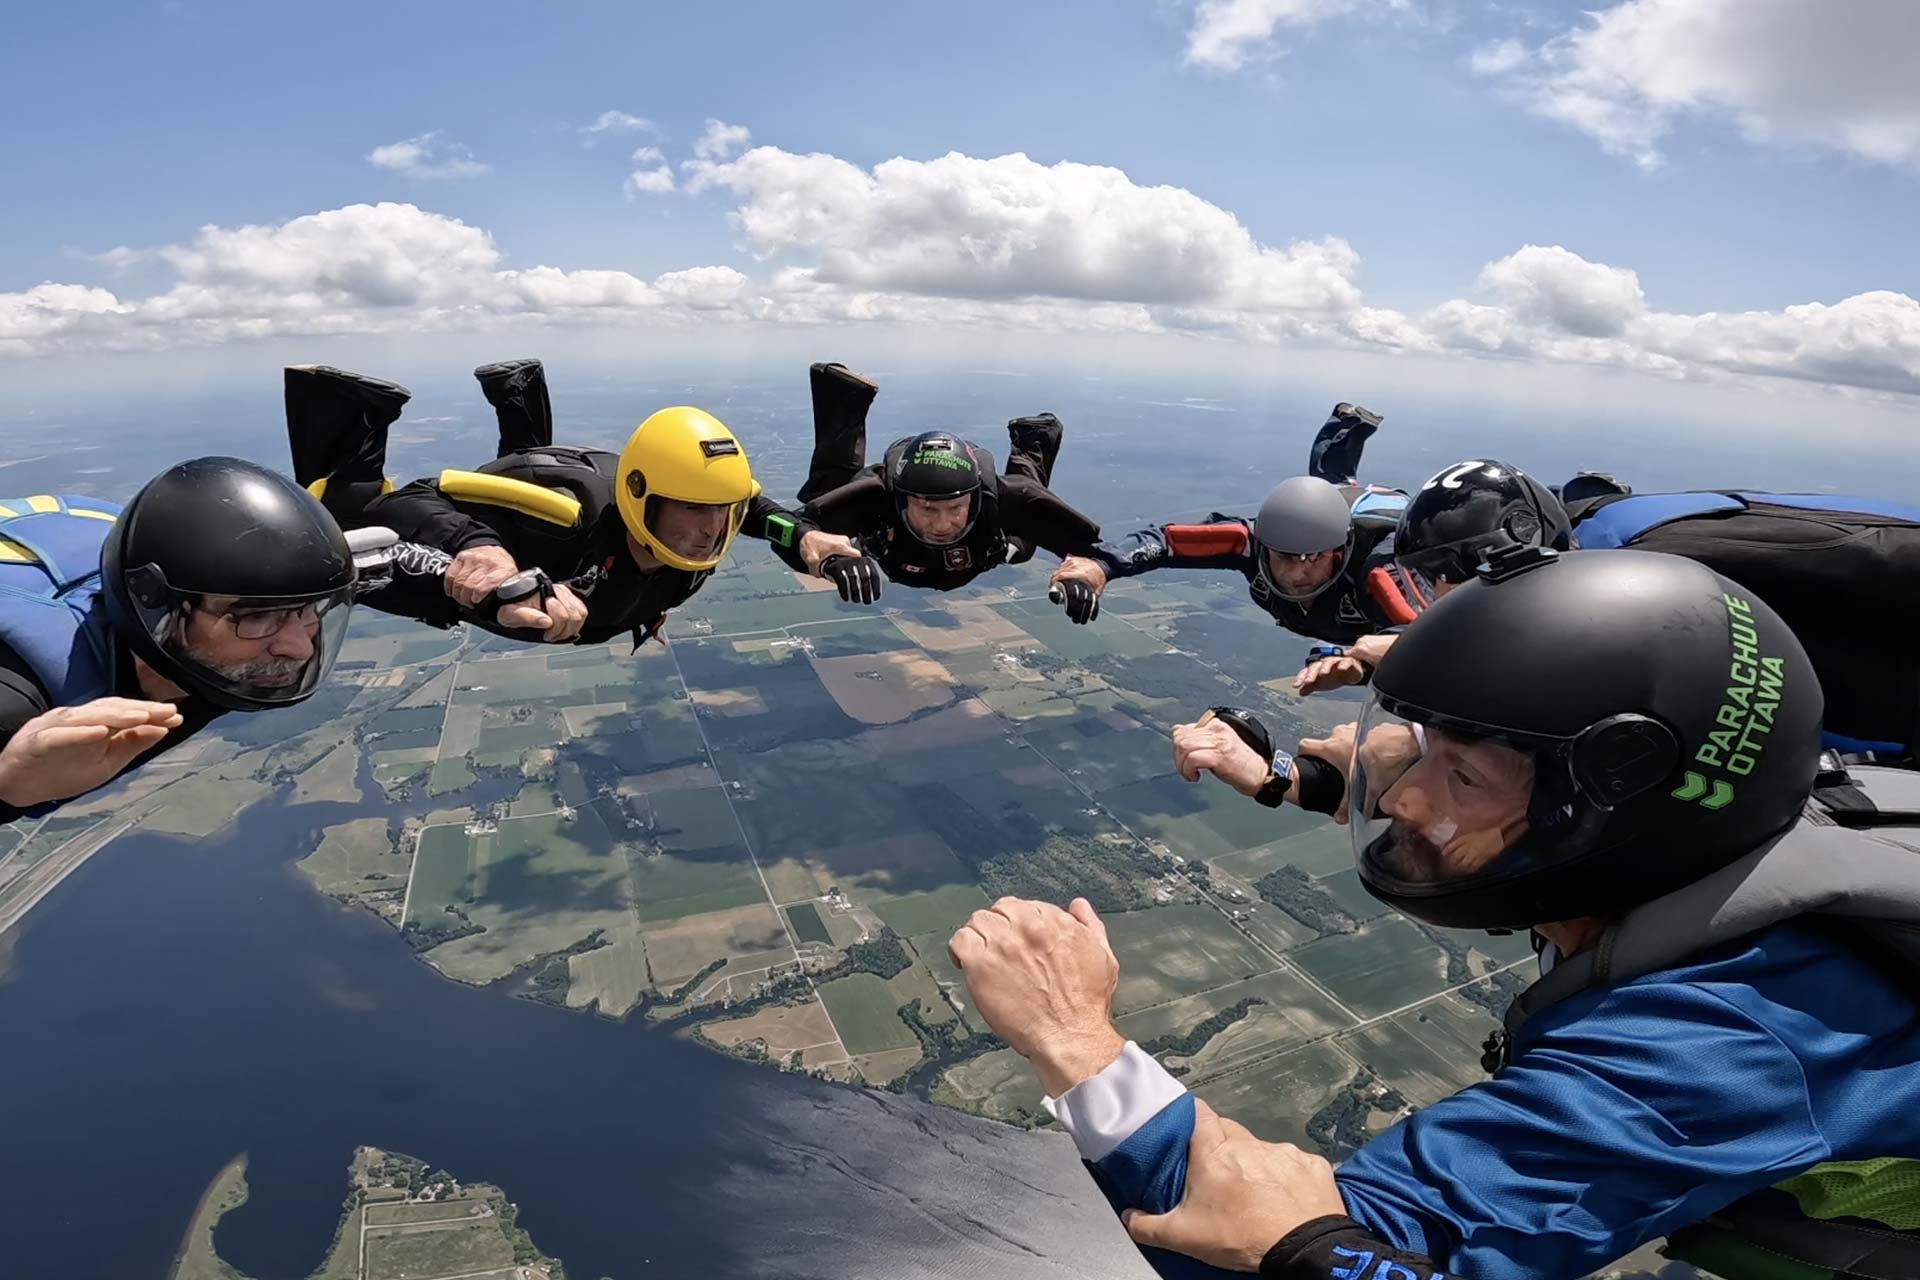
point(816, 546)
point(69, 751)
point(1082, 569)
point(1370, 649)
point(475, 572)
point(1243, 1195)
point(1330, 673)
point(1043, 979)
point(1215, 748)
point(558, 620)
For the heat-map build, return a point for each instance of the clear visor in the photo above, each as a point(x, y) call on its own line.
point(251, 651)
point(940, 521)
point(1434, 809)
point(1300, 577)
point(692, 535)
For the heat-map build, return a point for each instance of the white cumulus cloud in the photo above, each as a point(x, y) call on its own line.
point(1227, 34)
point(426, 155)
point(1810, 73)
point(652, 181)
point(721, 140)
point(619, 122)
point(1010, 227)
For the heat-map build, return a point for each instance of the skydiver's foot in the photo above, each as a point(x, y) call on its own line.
point(337, 424)
point(1368, 416)
point(1037, 437)
point(839, 373)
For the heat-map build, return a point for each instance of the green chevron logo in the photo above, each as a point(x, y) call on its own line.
point(1695, 787)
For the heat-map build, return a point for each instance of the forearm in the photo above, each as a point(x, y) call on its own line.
point(780, 528)
point(1219, 545)
point(420, 513)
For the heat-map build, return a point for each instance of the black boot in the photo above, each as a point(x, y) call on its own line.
point(337, 430)
point(517, 390)
point(1035, 447)
point(841, 399)
point(1335, 455)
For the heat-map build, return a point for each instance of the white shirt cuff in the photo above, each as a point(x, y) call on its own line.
point(1102, 1111)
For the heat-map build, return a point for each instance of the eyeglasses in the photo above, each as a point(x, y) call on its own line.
point(258, 624)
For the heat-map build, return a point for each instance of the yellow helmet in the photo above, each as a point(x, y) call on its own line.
point(685, 457)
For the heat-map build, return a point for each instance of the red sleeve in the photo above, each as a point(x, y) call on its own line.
point(1229, 539)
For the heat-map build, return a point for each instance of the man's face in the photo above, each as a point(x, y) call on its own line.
point(267, 648)
point(1455, 809)
point(691, 530)
point(938, 521)
point(1296, 576)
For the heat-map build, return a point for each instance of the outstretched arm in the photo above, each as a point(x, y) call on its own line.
point(421, 514)
point(1028, 509)
point(1222, 542)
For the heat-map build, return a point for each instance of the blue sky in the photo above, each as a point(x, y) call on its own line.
point(136, 125)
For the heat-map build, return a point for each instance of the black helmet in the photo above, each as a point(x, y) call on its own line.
point(1472, 509)
point(1591, 731)
point(265, 547)
point(934, 464)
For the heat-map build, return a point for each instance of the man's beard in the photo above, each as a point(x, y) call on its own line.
point(1410, 857)
point(263, 673)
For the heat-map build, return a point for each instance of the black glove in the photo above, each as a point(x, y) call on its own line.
point(1080, 600)
point(858, 577)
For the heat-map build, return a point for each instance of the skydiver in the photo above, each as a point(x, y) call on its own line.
point(1318, 558)
point(221, 586)
point(934, 512)
point(1843, 571)
point(601, 543)
point(1723, 1048)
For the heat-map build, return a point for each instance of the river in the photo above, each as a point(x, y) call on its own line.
point(177, 1001)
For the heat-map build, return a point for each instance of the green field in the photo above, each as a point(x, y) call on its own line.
point(1346, 889)
point(536, 885)
point(860, 635)
point(1427, 1052)
point(455, 1250)
point(1389, 963)
point(932, 950)
point(1166, 953)
point(1322, 849)
point(997, 1084)
point(1294, 1014)
point(1104, 758)
point(355, 857)
point(941, 911)
point(1277, 1098)
point(612, 976)
point(669, 885)
point(807, 925)
point(1049, 624)
point(768, 614)
point(866, 1014)
point(1201, 819)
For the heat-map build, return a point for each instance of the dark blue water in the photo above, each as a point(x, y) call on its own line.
point(176, 1002)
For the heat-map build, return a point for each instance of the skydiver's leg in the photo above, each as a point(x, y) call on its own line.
point(841, 399)
point(1034, 446)
point(1335, 456)
point(517, 390)
point(337, 430)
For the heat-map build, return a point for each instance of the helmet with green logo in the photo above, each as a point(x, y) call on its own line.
point(1571, 735)
point(936, 466)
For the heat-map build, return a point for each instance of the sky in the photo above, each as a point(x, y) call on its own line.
point(1710, 192)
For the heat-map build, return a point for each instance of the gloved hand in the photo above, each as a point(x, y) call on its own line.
point(1078, 598)
point(857, 577)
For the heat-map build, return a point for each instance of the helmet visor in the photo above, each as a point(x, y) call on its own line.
point(691, 535)
point(248, 652)
point(1437, 808)
point(939, 520)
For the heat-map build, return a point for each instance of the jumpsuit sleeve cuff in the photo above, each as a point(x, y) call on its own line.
point(1104, 1110)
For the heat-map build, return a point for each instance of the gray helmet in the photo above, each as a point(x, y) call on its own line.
point(1303, 516)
